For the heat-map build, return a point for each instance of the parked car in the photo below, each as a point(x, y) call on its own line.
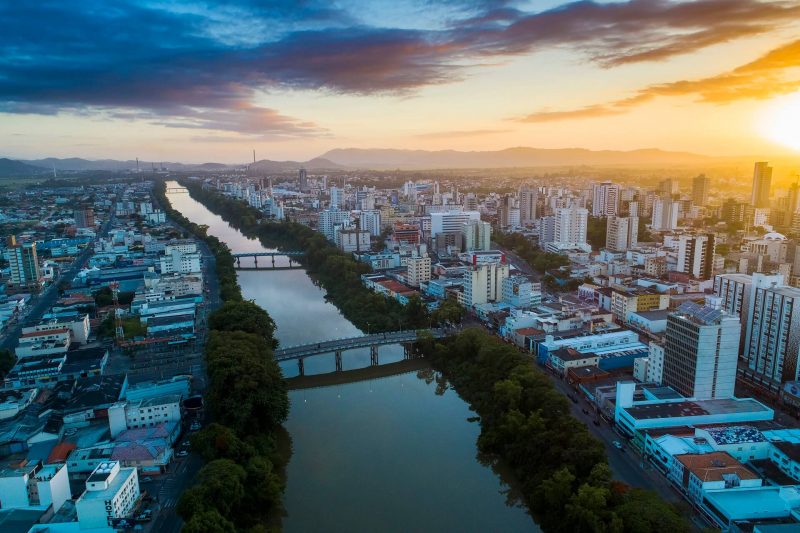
point(585, 411)
point(182, 453)
point(596, 422)
point(617, 444)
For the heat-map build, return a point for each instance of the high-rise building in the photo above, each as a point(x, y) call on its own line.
point(605, 201)
point(527, 204)
point(772, 340)
point(477, 235)
point(668, 187)
point(700, 187)
point(303, 180)
point(337, 197)
point(622, 233)
point(762, 181)
point(371, 222)
point(506, 219)
point(665, 214)
point(696, 255)
point(84, 218)
point(520, 292)
point(470, 202)
point(701, 349)
point(24, 263)
point(484, 283)
point(734, 291)
point(419, 270)
point(571, 225)
point(329, 219)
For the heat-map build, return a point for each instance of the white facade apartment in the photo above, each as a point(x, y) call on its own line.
point(350, 240)
point(329, 219)
point(605, 201)
point(111, 493)
point(665, 214)
point(622, 233)
point(477, 236)
point(371, 222)
point(527, 204)
point(570, 227)
point(655, 363)
point(483, 283)
point(419, 270)
point(181, 263)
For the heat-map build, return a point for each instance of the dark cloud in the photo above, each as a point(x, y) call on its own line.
point(200, 64)
point(773, 74)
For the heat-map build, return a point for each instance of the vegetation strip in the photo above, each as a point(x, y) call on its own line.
point(241, 485)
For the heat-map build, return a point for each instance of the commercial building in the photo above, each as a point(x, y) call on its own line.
point(352, 240)
point(147, 412)
point(701, 349)
point(521, 292)
point(176, 261)
point(84, 218)
point(451, 221)
point(527, 204)
point(762, 182)
point(111, 493)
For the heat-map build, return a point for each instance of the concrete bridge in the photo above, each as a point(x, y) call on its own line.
point(373, 341)
point(272, 255)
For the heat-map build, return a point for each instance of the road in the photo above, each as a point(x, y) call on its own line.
point(167, 489)
point(43, 301)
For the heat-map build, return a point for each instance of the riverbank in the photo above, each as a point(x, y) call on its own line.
point(337, 272)
point(240, 485)
point(563, 470)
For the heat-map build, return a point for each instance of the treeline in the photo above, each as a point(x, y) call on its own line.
point(240, 487)
point(337, 272)
point(562, 469)
point(540, 260)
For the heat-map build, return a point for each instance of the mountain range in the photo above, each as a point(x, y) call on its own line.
point(383, 159)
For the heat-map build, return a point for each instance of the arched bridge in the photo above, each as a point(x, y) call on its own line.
point(255, 255)
point(337, 346)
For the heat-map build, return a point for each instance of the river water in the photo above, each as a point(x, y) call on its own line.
point(387, 454)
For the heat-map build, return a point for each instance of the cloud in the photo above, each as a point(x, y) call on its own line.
point(773, 74)
point(201, 64)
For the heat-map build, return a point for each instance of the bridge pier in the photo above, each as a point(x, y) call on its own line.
point(338, 355)
point(300, 366)
point(273, 261)
point(238, 262)
point(373, 355)
point(255, 260)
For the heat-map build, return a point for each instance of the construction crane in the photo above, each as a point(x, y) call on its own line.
point(119, 330)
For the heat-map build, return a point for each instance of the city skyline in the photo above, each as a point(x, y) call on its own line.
point(196, 81)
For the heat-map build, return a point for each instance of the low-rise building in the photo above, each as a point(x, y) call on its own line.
point(111, 493)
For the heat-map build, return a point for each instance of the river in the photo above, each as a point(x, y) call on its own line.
point(382, 455)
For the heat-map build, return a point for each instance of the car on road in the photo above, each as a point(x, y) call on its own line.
point(596, 422)
point(186, 444)
point(617, 444)
point(182, 453)
point(585, 411)
point(146, 479)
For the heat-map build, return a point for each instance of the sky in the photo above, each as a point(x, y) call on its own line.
point(200, 81)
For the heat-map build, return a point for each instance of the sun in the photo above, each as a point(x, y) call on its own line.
point(780, 122)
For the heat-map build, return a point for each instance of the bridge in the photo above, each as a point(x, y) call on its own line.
point(177, 190)
point(255, 255)
point(373, 341)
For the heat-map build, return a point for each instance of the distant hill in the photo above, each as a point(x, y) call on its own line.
point(266, 166)
point(10, 168)
point(76, 164)
point(510, 157)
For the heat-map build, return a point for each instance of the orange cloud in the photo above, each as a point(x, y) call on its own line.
point(770, 75)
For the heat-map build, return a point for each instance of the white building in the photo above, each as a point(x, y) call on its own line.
point(371, 222)
point(111, 493)
point(696, 254)
point(701, 350)
point(143, 413)
point(350, 240)
point(477, 235)
point(622, 233)
point(419, 270)
point(655, 363)
point(179, 262)
point(570, 229)
point(483, 283)
point(527, 204)
point(329, 219)
point(451, 221)
point(605, 199)
point(520, 292)
point(665, 214)
point(34, 486)
point(337, 198)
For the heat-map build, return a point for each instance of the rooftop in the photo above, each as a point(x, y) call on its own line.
point(661, 409)
point(735, 434)
point(714, 466)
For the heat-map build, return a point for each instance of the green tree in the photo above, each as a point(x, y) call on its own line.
point(7, 361)
point(596, 231)
point(244, 316)
point(208, 521)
